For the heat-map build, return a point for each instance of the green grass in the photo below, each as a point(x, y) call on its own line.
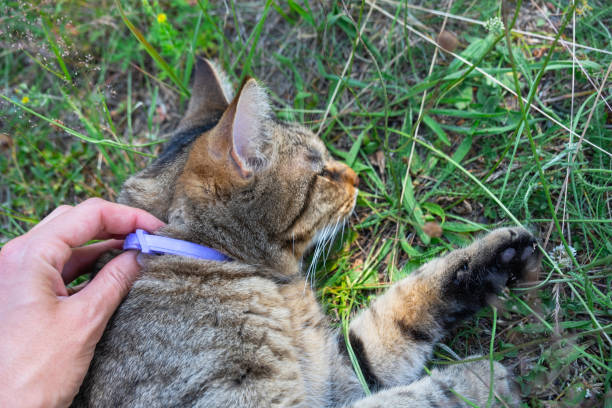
point(444, 149)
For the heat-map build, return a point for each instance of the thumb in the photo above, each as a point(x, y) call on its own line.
point(106, 291)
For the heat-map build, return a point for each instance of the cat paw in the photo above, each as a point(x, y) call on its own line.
point(472, 381)
point(462, 385)
point(502, 257)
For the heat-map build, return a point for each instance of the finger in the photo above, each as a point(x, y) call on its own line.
point(75, 289)
point(92, 219)
point(106, 291)
point(53, 214)
point(83, 257)
point(98, 219)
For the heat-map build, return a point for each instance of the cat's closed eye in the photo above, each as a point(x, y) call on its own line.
point(313, 156)
point(330, 174)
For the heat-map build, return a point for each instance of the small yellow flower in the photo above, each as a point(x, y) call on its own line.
point(584, 9)
point(25, 100)
point(161, 18)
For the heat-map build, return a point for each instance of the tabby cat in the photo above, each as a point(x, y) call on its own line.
point(249, 332)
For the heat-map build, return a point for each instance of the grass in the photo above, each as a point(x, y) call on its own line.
point(443, 146)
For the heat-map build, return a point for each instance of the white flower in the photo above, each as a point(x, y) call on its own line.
point(559, 255)
point(495, 25)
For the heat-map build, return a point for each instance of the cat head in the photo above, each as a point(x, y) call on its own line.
point(238, 180)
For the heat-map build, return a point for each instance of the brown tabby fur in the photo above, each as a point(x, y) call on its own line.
point(249, 333)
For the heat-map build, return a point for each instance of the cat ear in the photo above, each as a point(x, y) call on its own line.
point(250, 140)
point(209, 94)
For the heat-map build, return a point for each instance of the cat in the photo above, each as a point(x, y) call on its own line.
point(249, 332)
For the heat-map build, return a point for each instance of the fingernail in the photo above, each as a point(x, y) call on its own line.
point(140, 260)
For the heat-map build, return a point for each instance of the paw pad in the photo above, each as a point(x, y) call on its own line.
point(512, 255)
point(517, 254)
point(507, 255)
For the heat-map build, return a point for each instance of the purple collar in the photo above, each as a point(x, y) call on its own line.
point(156, 244)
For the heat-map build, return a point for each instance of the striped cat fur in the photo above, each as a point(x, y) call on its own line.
point(250, 333)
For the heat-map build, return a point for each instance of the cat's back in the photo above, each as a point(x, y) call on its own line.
point(202, 333)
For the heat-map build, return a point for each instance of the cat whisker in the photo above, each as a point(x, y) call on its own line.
point(323, 244)
point(330, 239)
point(315, 257)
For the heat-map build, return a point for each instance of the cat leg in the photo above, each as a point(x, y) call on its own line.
point(450, 387)
point(394, 337)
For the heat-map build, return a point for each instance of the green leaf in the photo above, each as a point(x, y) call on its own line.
point(434, 209)
point(464, 98)
point(433, 125)
point(461, 227)
point(352, 154)
point(412, 207)
point(302, 13)
point(56, 51)
point(409, 249)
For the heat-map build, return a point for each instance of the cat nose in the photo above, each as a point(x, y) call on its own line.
point(344, 173)
point(351, 177)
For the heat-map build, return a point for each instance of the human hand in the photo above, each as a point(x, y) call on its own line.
point(48, 337)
